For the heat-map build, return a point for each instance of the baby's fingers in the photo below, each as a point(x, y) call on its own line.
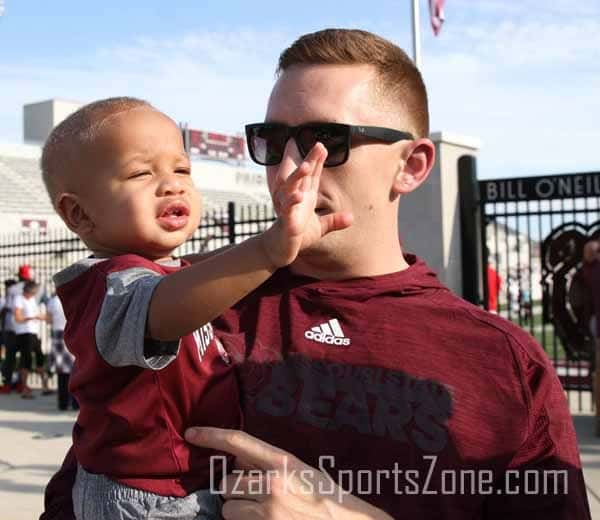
point(335, 222)
point(312, 163)
point(287, 201)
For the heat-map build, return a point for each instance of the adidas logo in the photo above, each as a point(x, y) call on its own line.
point(329, 332)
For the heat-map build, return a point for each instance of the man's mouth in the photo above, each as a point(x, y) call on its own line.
point(322, 211)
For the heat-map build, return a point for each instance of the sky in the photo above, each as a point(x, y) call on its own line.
point(521, 76)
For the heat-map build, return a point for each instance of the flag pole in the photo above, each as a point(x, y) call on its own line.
point(416, 33)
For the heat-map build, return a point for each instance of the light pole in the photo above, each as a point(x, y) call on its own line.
point(416, 33)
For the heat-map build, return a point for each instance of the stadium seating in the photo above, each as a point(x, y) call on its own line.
point(22, 187)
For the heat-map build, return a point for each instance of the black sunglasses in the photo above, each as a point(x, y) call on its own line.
point(266, 141)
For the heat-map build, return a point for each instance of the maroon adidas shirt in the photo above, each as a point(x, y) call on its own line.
point(449, 411)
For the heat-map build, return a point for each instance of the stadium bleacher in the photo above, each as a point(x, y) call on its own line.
point(22, 190)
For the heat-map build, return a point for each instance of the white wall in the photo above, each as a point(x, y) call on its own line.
point(216, 175)
point(40, 118)
point(9, 222)
point(429, 218)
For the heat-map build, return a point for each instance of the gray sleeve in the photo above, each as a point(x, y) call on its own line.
point(121, 326)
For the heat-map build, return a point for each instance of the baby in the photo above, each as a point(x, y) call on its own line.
point(147, 364)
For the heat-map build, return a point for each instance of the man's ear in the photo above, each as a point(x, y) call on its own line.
point(416, 167)
point(71, 211)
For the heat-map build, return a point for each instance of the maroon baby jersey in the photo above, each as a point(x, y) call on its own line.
point(138, 396)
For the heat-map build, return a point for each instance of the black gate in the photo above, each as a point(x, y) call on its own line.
point(533, 230)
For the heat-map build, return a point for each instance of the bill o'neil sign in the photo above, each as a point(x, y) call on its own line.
point(541, 188)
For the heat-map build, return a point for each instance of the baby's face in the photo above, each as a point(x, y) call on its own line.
point(139, 194)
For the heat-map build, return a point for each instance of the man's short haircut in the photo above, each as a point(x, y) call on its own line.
point(399, 80)
point(66, 141)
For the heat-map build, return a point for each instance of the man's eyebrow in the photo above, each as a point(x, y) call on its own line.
point(312, 121)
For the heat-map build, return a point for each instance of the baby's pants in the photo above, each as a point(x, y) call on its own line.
point(96, 497)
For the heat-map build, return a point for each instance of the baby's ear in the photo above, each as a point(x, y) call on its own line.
point(68, 206)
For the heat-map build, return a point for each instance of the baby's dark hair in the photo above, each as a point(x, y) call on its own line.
point(66, 141)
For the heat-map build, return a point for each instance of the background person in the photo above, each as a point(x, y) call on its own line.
point(4, 332)
point(24, 274)
point(514, 301)
point(60, 360)
point(27, 318)
point(525, 304)
point(494, 282)
point(591, 276)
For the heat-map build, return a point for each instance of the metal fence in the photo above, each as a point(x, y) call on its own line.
point(533, 233)
point(49, 252)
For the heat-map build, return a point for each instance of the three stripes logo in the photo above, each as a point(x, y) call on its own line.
point(329, 332)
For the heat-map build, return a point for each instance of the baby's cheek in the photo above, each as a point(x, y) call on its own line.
point(196, 209)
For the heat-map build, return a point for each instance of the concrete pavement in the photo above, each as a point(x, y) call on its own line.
point(589, 449)
point(34, 437)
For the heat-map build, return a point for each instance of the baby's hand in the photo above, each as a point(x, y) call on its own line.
point(295, 197)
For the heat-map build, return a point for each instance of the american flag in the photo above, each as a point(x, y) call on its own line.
point(436, 14)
